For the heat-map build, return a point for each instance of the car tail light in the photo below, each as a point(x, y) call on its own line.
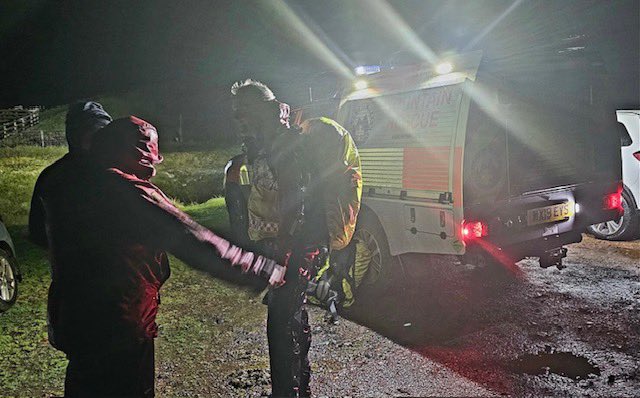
point(613, 201)
point(474, 229)
point(636, 155)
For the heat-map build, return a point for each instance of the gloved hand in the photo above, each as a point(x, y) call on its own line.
point(270, 270)
point(259, 265)
point(321, 290)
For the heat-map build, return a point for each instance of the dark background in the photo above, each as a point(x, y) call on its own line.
point(182, 56)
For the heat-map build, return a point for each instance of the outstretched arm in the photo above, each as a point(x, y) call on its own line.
point(168, 228)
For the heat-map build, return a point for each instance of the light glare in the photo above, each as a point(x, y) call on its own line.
point(444, 68)
point(360, 84)
point(307, 37)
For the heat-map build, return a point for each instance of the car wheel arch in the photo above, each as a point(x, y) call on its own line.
point(7, 248)
point(631, 199)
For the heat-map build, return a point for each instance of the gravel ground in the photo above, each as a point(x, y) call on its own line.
point(447, 330)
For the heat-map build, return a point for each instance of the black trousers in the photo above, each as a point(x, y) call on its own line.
point(126, 372)
point(289, 338)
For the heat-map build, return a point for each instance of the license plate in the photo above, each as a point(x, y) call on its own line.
point(547, 214)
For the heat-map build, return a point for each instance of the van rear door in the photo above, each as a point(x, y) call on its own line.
point(411, 157)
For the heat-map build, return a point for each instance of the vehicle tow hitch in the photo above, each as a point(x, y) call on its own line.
point(553, 257)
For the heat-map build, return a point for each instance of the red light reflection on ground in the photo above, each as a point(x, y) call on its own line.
point(472, 364)
point(501, 258)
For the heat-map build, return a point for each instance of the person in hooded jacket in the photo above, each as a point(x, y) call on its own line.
point(83, 119)
point(108, 229)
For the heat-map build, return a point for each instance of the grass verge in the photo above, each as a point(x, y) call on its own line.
point(193, 176)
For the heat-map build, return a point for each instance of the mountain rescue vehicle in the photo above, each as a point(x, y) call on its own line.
point(482, 160)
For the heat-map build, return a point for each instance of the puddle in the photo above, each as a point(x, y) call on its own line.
point(562, 363)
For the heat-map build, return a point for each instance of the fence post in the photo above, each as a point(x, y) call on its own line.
point(42, 138)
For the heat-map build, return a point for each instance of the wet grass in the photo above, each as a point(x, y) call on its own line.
point(193, 176)
point(29, 366)
point(19, 169)
point(197, 313)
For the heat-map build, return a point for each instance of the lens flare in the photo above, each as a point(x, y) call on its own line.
point(311, 40)
point(360, 84)
point(444, 67)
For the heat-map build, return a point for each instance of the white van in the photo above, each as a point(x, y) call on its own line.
point(628, 226)
point(484, 159)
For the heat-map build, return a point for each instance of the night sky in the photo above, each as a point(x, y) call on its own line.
point(53, 52)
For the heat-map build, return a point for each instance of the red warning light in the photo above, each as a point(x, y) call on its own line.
point(613, 201)
point(474, 229)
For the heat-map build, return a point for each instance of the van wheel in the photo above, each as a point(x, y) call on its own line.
point(8, 281)
point(370, 235)
point(626, 228)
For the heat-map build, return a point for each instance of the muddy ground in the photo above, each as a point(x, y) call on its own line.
point(458, 330)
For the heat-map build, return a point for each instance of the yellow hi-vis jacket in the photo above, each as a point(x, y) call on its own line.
point(337, 158)
point(330, 152)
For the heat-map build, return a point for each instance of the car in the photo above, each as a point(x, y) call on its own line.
point(627, 227)
point(9, 271)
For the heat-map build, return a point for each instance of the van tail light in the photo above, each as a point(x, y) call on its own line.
point(474, 229)
point(613, 201)
point(636, 155)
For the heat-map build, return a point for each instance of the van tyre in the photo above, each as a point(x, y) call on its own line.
point(626, 228)
point(8, 281)
point(370, 232)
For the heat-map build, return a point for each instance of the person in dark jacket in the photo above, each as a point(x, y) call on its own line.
point(83, 119)
point(275, 205)
point(109, 229)
point(304, 200)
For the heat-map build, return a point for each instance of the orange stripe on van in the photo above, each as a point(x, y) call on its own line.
point(457, 177)
point(426, 168)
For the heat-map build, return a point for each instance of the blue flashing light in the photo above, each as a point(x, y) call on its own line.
point(367, 69)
